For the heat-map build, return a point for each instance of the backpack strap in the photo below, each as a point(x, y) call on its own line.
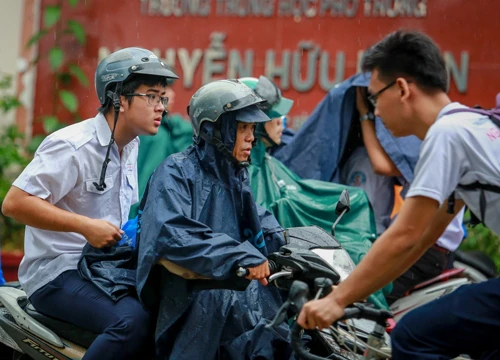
point(493, 114)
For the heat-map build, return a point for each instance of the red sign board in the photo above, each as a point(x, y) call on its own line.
point(307, 46)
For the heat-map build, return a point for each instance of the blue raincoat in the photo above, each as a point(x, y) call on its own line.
point(199, 213)
point(316, 150)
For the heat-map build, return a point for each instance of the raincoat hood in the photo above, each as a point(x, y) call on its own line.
point(225, 129)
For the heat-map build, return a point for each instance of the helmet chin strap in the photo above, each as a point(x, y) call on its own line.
point(115, 98)
point(221, 147)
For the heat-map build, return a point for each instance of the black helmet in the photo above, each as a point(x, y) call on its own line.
point(218, 97)
point(118, 66)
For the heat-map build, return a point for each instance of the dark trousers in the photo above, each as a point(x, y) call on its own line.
point(123, 325)
point(431, 264)
point(467, 321)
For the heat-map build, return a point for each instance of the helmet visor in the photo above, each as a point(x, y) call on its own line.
point(251, 114)
point(153, 68)
point(281, 108)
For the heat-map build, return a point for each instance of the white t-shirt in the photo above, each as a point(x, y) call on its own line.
point(460, 148)
point(358, 171)
point(62, 172)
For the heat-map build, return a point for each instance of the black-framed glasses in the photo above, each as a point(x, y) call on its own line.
point(153, 99)
point(373, 97)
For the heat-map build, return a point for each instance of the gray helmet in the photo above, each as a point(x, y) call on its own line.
point(276, 105)
point(218, 97)
point(118, 66)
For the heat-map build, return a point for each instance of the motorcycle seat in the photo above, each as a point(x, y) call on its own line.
point(62, 328)
point(478, 260)
point(445, 275)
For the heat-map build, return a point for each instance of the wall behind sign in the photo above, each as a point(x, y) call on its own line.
point(307, 46)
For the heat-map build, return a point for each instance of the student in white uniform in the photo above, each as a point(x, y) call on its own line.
point(68, 197)
point(408, 88)
point(370, 168)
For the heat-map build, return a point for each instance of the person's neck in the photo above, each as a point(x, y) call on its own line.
point(121, 137)
point(428, 110)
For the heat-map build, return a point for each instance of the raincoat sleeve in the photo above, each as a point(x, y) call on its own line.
point(175, 199)
point(272, 230)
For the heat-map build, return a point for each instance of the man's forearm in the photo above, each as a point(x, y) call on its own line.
point(386, 260)
point(33, 211)
point(391, 255)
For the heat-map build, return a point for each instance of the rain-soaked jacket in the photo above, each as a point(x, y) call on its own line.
point(316, 150)
point(296, 202)
point(199, 213)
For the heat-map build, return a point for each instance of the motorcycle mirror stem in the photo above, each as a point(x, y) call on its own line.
point(343, 207)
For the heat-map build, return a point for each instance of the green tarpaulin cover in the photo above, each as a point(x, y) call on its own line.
point(297, 202)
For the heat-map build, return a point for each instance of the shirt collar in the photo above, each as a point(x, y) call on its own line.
point(102, 129)
point(129, 149)
point(449, 107)
point(104, 135)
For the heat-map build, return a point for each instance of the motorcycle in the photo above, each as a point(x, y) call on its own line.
point(310, 253)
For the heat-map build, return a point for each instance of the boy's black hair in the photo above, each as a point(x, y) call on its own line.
point(408, 54)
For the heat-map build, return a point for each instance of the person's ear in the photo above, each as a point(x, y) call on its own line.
point(123, 100)
point(404, 88)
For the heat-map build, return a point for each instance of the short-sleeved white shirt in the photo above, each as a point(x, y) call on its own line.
point(62, 172)
point(460, 148)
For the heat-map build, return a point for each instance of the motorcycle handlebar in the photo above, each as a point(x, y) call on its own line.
point(355, 312)
point(273, 268)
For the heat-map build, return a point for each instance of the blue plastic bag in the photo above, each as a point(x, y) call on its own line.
point(129, 234)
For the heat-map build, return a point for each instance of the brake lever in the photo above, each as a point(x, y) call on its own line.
point(323, 286)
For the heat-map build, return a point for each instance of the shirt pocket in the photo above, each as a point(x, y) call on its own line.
point(91, 188)
point(94, 203)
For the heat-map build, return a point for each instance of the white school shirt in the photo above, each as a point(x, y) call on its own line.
point(63, 171)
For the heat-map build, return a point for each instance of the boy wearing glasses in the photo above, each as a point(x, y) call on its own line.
point(409, 84)
point(77, 190)
point(381, 172)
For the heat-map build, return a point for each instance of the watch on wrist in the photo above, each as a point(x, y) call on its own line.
point(368, 116)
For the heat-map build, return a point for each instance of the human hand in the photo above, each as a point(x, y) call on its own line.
point(361, 100)
point(101, 233)
point(260, 273)
point(320, 313)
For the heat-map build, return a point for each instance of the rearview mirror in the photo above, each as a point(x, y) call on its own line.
point(344, 203)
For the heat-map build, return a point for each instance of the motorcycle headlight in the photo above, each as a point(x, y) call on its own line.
point(338, 259)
